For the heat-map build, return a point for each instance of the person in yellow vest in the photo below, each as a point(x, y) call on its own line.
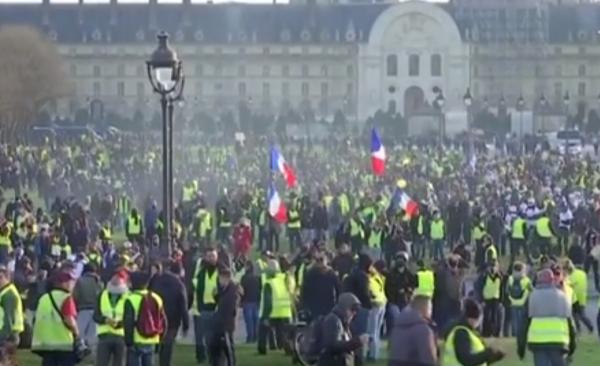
point(578, 281)
point(518, 238)
point(490, 252)
point(375, 240)
point(518, 288)
point(262, 226)
point(55, 332)
point(425, 280)
point(275, 311)
point(548, 330)
point(464, 345)
point(105, 234)
point(437, 234)
point(134, 227)
point(293, 228)
point(221, 346)
point(12, 318)
point(544, 234)
point(140, 348)
point(204, 226)
point(5, 242)
point(356, 232)
point(377, 311)
point(108, 315)
point(478, 233)
point(420, 239)
point(490, 283)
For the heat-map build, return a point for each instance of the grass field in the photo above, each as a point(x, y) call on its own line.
point(588, 354)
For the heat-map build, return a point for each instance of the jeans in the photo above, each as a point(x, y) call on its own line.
point(165, 350)
point(437, 251)
point(202, 334)
point(375, 322)
point(110, 348)
point(140, 355)
point(87, 327)
point(517, 314)
point(418, 249)
point(580, 317)
point(491, 318)
point(58, 358)
point(222, 350)
point(294, 239)
point(250, 311)
point(549, 358)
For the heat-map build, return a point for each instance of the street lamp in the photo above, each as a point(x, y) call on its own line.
point(566, 102)
point(521, 108)
point(439, 105)
point(165, 73)
point(543, 103)
point(468, 100)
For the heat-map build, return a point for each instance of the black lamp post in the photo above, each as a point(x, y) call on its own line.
point(566, 102)
point(521, 108)
point(543, 104)
point(468, 100)
point(439, 105)
point(165, 73)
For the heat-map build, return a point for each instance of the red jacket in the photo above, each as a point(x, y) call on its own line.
point(242, 239)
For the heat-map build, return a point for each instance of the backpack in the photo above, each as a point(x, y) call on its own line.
point(516, 291)
point(150, 320)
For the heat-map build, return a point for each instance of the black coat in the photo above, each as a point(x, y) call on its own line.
point(320, 290)
point(357, 283)
point(172, 290)
point(223, 320)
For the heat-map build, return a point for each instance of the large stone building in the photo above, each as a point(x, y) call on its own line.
point(355, 57)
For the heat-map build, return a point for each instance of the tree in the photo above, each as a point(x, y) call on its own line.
point(32, 76)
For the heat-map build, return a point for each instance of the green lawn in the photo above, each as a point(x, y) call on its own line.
point(587, 355)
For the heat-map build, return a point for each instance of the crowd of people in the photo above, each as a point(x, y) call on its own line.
point(505, 233)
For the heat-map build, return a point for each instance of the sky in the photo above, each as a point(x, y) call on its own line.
point(160, 1)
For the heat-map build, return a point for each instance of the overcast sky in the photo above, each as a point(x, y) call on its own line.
point(160, 1)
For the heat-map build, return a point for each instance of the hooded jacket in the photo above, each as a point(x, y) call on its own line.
point(412, 341)
point(338, 344)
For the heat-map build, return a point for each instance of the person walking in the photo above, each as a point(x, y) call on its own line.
point(338, 343)
point(578, 281)
point(12, 321)
point(320, 289)
point(376, 313)
point(490, 291)
point(464, 346)
point(437, 235)
point(140, 347)
point(55, 326)
point(250, 301)
point(548, 329)
point(518, 288)
point(108, 316)
point(169, 287)
point(412, 340)
point(87, 289)
point(221, 345)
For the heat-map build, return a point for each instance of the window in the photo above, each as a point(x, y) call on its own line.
point(304, 70)
point(121, 89)
point(413, 65)
point(324, 90)
point(392, 65)
point(558, 91)
point(97, 89)
point(139, 71)
point(218, 87)
point(581, 89)
point(350, 71)
point(324, 70)
point(349, 89)
point(285, 89)
point(582, 50)
point(73, 70)
point(581, 70)
point(305, 90)
point(266, 90)
point(538, 70)
point(436, 65)
point(558, 70)
point(266, 71)
point(97, 71)
point(242, 89)
point(121, 70)
point(266, 50)
point(285, 70)
point(140, 90)
point(242, 71)
point(198, 88)
point(218, 70)
point(199, 70)
point(558, 50)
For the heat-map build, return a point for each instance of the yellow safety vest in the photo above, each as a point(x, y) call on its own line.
point(111, 312)
point(356, 229)
point(281, 297)
point(135, 299)
point(542, 227)
point(478, 232)
point(450, 358)
point(18, 319)
point(107, 233)
point(210, 287)
point(525, 285)
point(377, 289)
point(548, 330)
point(375, 238)
point(49, 331)
point(426, 283)
point(437, 229)
point(5, 240)
point(420, 225)
point(491, 253)
point(262, 218)
point(517, 229)
point(578, 281)
point(134, 226)
point(491, 288)
point(205, 223)
point(188, 193)
point(293, 219)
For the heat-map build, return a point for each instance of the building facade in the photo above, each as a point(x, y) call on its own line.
point(355, 57)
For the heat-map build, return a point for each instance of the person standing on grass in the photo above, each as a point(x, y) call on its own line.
point(250, 301)
point(87, 289)
point(221, 346)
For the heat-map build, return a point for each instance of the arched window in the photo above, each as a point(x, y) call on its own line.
point(413, 65)
point(392, 65)
point(436, 65)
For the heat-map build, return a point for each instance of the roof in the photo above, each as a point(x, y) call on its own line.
point(295, 24)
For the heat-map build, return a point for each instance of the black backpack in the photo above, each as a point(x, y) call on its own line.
point(516, 291)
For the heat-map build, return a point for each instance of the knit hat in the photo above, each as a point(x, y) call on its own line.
point(471, 309)
point(545, 277)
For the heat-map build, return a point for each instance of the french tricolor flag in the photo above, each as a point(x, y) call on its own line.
point(402, 200)
point(377, 154)
point(277, 208)
point(278, 164)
